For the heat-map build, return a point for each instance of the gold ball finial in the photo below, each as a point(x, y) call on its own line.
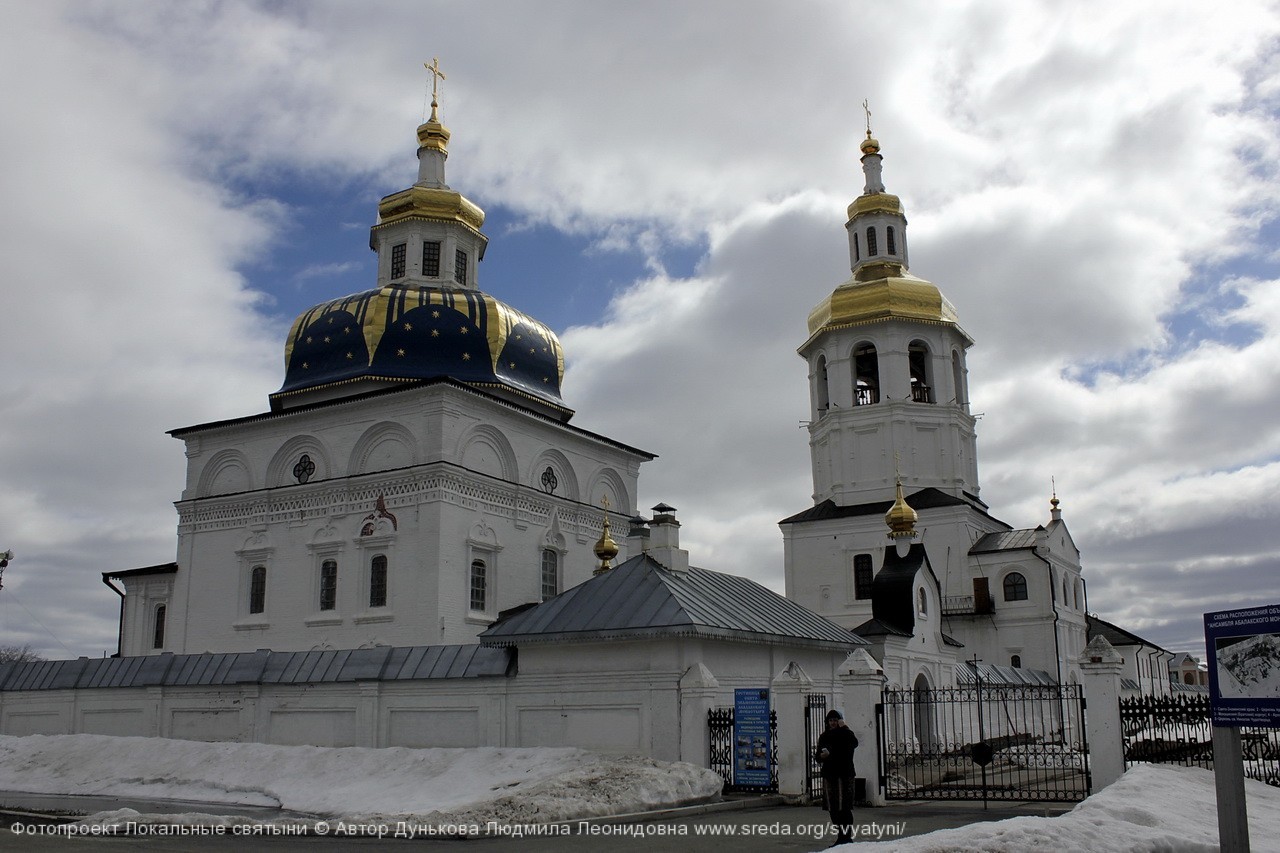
point(606, 548)
point(870, 145)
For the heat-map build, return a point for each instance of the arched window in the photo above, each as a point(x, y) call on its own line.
point(1066, 595)
point(866, 375)
point(550, 574)
point(328, 585)
point(922, 602)
point(957, 378)
point(157, 640)
point(258, 589)
point(1015, 587)
point(1016, 661)
point(871, 242)
point(921, 378)
point(479, 586)
point(857, 256)
point(378, 581)
point(823, 395)
point(890, 243)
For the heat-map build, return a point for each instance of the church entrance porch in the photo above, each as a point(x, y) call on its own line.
point(983, 742)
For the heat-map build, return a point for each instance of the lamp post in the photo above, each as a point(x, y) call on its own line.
point(5, 557)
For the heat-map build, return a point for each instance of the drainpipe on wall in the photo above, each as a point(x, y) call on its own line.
point(1053, 602)
point(120, 629)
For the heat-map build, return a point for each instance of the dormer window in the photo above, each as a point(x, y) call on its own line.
point(431, 258)
point(397, 260)
point(460, 267)
point(872, 249)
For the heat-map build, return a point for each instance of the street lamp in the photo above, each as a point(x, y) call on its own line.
point(5, 557)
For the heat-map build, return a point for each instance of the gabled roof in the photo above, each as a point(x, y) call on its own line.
point(1006, 540)
point(1116, 635)
point(642, 598)
point(382, 663)
point(927, 498)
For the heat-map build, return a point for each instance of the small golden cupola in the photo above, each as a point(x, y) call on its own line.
point(901, 518)
point(606, 549)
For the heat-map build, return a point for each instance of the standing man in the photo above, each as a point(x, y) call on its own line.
point(835, 752)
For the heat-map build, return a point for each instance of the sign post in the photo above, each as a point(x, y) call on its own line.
point(1243, 647)
point(752, 749)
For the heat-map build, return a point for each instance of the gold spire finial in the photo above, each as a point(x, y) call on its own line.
point(606, 548)
point(866, 108)
point(1053, 487)
point(869, 145)
point(901, 518)
point(436, 76)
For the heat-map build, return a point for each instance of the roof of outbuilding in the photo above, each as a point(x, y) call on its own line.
point(1006, 540)
point(1115, 635)
point(382, 663)
point(642, 598)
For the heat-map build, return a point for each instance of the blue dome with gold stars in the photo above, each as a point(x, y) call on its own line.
point(400, 333)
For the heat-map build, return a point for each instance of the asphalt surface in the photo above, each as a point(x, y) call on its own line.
point(740, 826)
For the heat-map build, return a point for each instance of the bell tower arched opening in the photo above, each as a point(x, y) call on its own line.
point(921, 372)
point(866, 375)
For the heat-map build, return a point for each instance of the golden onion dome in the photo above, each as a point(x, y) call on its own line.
point(901, 518)
point(870, 145)
point(606, 549)
point(901, 296)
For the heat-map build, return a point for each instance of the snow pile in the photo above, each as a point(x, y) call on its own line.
point(1153, 808)
point(431, 785)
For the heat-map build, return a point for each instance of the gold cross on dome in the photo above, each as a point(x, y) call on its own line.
point(436, 76)
point(866, 108)
point(604, 502)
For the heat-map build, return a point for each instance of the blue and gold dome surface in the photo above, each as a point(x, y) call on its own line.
point(402, 334)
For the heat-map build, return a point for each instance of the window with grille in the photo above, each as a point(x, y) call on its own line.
point(397, 260)
point(1015, 587)
point(378, 581)
point(890, 243)
point(157, 641)
point(862, 576)
point(328, 585)
point(479, 585)
point(550, 574)
point(872, 249)
point(431, 258)
point(460, 266)
point(258, 589)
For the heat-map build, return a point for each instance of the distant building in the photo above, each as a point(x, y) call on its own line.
point(1146, 665)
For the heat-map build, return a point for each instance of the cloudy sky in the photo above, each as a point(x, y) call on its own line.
point(1093, 185)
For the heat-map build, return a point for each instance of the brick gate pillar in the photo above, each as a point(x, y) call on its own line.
point(789, 690)
point(1101, 665)
point(861, 680)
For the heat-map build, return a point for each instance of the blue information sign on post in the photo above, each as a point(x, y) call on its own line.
point(751, 737)
point(1243, 647)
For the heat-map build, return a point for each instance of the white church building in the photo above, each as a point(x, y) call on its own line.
point(412, 545)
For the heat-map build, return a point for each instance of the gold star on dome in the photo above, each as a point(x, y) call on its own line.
point(350, 355)
point(511, 364)
point(305, 366)
point(435, 314)
point(545, 379)
point(308, 339)
point(532, 351)
point(400, 353)
point(462, 330)
point(435, 333)
point(517, 337)
point(346, 330)
point(466, 356)
point(408, 327)
point(326, 339)
point(330, 321)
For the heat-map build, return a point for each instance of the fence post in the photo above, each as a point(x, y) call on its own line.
point(698, 689)
point(789, 689)
point(861, 680)
point(1101, 666)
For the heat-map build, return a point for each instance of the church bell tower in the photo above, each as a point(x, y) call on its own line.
point(887, 374)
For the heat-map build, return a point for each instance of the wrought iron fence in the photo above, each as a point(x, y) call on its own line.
point(998, 742)
point(720, 725)
point(1177, 729)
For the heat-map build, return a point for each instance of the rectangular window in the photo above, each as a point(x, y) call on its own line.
point(862, 576)
point(460, 267)
point(431, 259)
point(479, 586)
point(378, 582)
point(550, 574)
point(328, 585)
point(397, 260)
point(258, 589)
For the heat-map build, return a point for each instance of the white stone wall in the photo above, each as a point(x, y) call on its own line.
point(460, 472)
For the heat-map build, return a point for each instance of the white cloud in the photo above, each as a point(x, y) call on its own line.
point(1067, 171)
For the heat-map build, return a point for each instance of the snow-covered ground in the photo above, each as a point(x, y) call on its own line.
point(431, 786)
point(1152, 808)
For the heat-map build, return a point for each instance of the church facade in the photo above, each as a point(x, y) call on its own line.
point(416, 474)
point(892, 441)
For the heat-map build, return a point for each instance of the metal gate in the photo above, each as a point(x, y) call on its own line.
point(815, 715)
point(720, 726)
point(984, 742)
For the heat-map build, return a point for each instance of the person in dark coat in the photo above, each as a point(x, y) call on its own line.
point(835, 752)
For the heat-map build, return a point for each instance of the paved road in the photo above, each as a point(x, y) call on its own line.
point(741, 827)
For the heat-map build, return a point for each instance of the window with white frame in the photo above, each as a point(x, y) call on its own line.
point(329, 585)
point(378, 581)
point(550, 574)
point(258, 589)
point(479, 586)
